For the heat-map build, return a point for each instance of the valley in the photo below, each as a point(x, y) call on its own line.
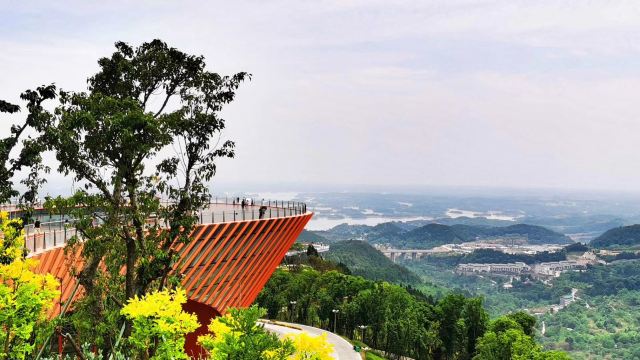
point(585, 297)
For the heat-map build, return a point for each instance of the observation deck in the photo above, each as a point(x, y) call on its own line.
point(53, 231)
point(232, 254)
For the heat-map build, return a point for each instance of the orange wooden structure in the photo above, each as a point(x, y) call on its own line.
point(225, 265)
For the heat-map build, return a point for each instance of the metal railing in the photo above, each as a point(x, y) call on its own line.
point(52, 234)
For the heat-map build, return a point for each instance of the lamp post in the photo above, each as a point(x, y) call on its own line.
point(363, 328)
point(335, 318)
point(293, 307)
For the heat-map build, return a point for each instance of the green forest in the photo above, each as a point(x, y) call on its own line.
point(435, 234)
point(364, 260)
point(624, 236)
point(399, 320)
point(602, 323)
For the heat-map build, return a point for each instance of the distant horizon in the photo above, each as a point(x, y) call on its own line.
point(458, 190)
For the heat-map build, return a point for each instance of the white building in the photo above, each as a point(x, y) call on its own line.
point(508, 269)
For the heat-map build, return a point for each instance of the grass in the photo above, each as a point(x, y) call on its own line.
point(372, 356)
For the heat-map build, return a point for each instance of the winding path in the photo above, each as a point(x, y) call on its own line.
point(342, 349)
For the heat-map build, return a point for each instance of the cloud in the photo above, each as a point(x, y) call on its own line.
point(455, 92)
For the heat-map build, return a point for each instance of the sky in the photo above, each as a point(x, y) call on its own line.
point(519, 94)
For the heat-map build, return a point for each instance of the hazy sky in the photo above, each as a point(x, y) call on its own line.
point(453, 92)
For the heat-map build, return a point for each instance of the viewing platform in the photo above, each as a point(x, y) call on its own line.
point(52, 231)
point(232, 253)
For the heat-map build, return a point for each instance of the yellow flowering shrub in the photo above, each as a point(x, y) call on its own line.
point(309, 347)
point(160, 324)
point(238, 335)
point(25, 297)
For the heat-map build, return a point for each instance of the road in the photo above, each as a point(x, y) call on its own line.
point(342, 349)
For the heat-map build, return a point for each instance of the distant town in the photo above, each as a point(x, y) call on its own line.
point(541, 270)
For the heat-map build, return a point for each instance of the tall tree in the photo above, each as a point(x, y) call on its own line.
point(29, 156)
point(475, 323)
point(143, 104)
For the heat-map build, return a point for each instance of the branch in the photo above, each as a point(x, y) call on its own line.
point(75, 346)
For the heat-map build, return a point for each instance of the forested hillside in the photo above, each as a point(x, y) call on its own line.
point(398, 320)
point(403, 235)
point(307, 236)
point(604, 322)
point(624, 236)
point(364, 260)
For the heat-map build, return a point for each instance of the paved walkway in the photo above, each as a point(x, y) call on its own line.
point(342, 349)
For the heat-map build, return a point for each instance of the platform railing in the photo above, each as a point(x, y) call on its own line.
point(50, 234)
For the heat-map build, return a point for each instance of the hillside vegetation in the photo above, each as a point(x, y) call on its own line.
point(307, 236)
point(433, 234)
point(624, 236)
point(364, 260)
point(400, 321)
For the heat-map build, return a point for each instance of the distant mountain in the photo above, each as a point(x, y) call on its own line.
point(623, 236)
point(477, 221)
point(433, 234)
point(310, 237)
point(535, 234)
point(344, 232)
point(364, 260)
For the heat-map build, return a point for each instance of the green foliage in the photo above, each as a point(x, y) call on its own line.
point(605, 322)
point(475, 322)
point(608, 279)
point(506, 339)
point(238, 336)
point(372, 356)
point(487, 256)
point(364, 260)
point(576, 248)
point(526, 293)
point(311, 251)
point(88, 354)
point(432, 235)
point(435, 234)
point(106, 139)
point(624, 255)
point(25, 297)
point(624, 236)
point(29, 156)
point(399, 321)
point(310, 237)
point(602, 324)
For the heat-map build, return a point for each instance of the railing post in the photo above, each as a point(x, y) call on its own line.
point(234, 215)
point(54, 238)
point(223, 216)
